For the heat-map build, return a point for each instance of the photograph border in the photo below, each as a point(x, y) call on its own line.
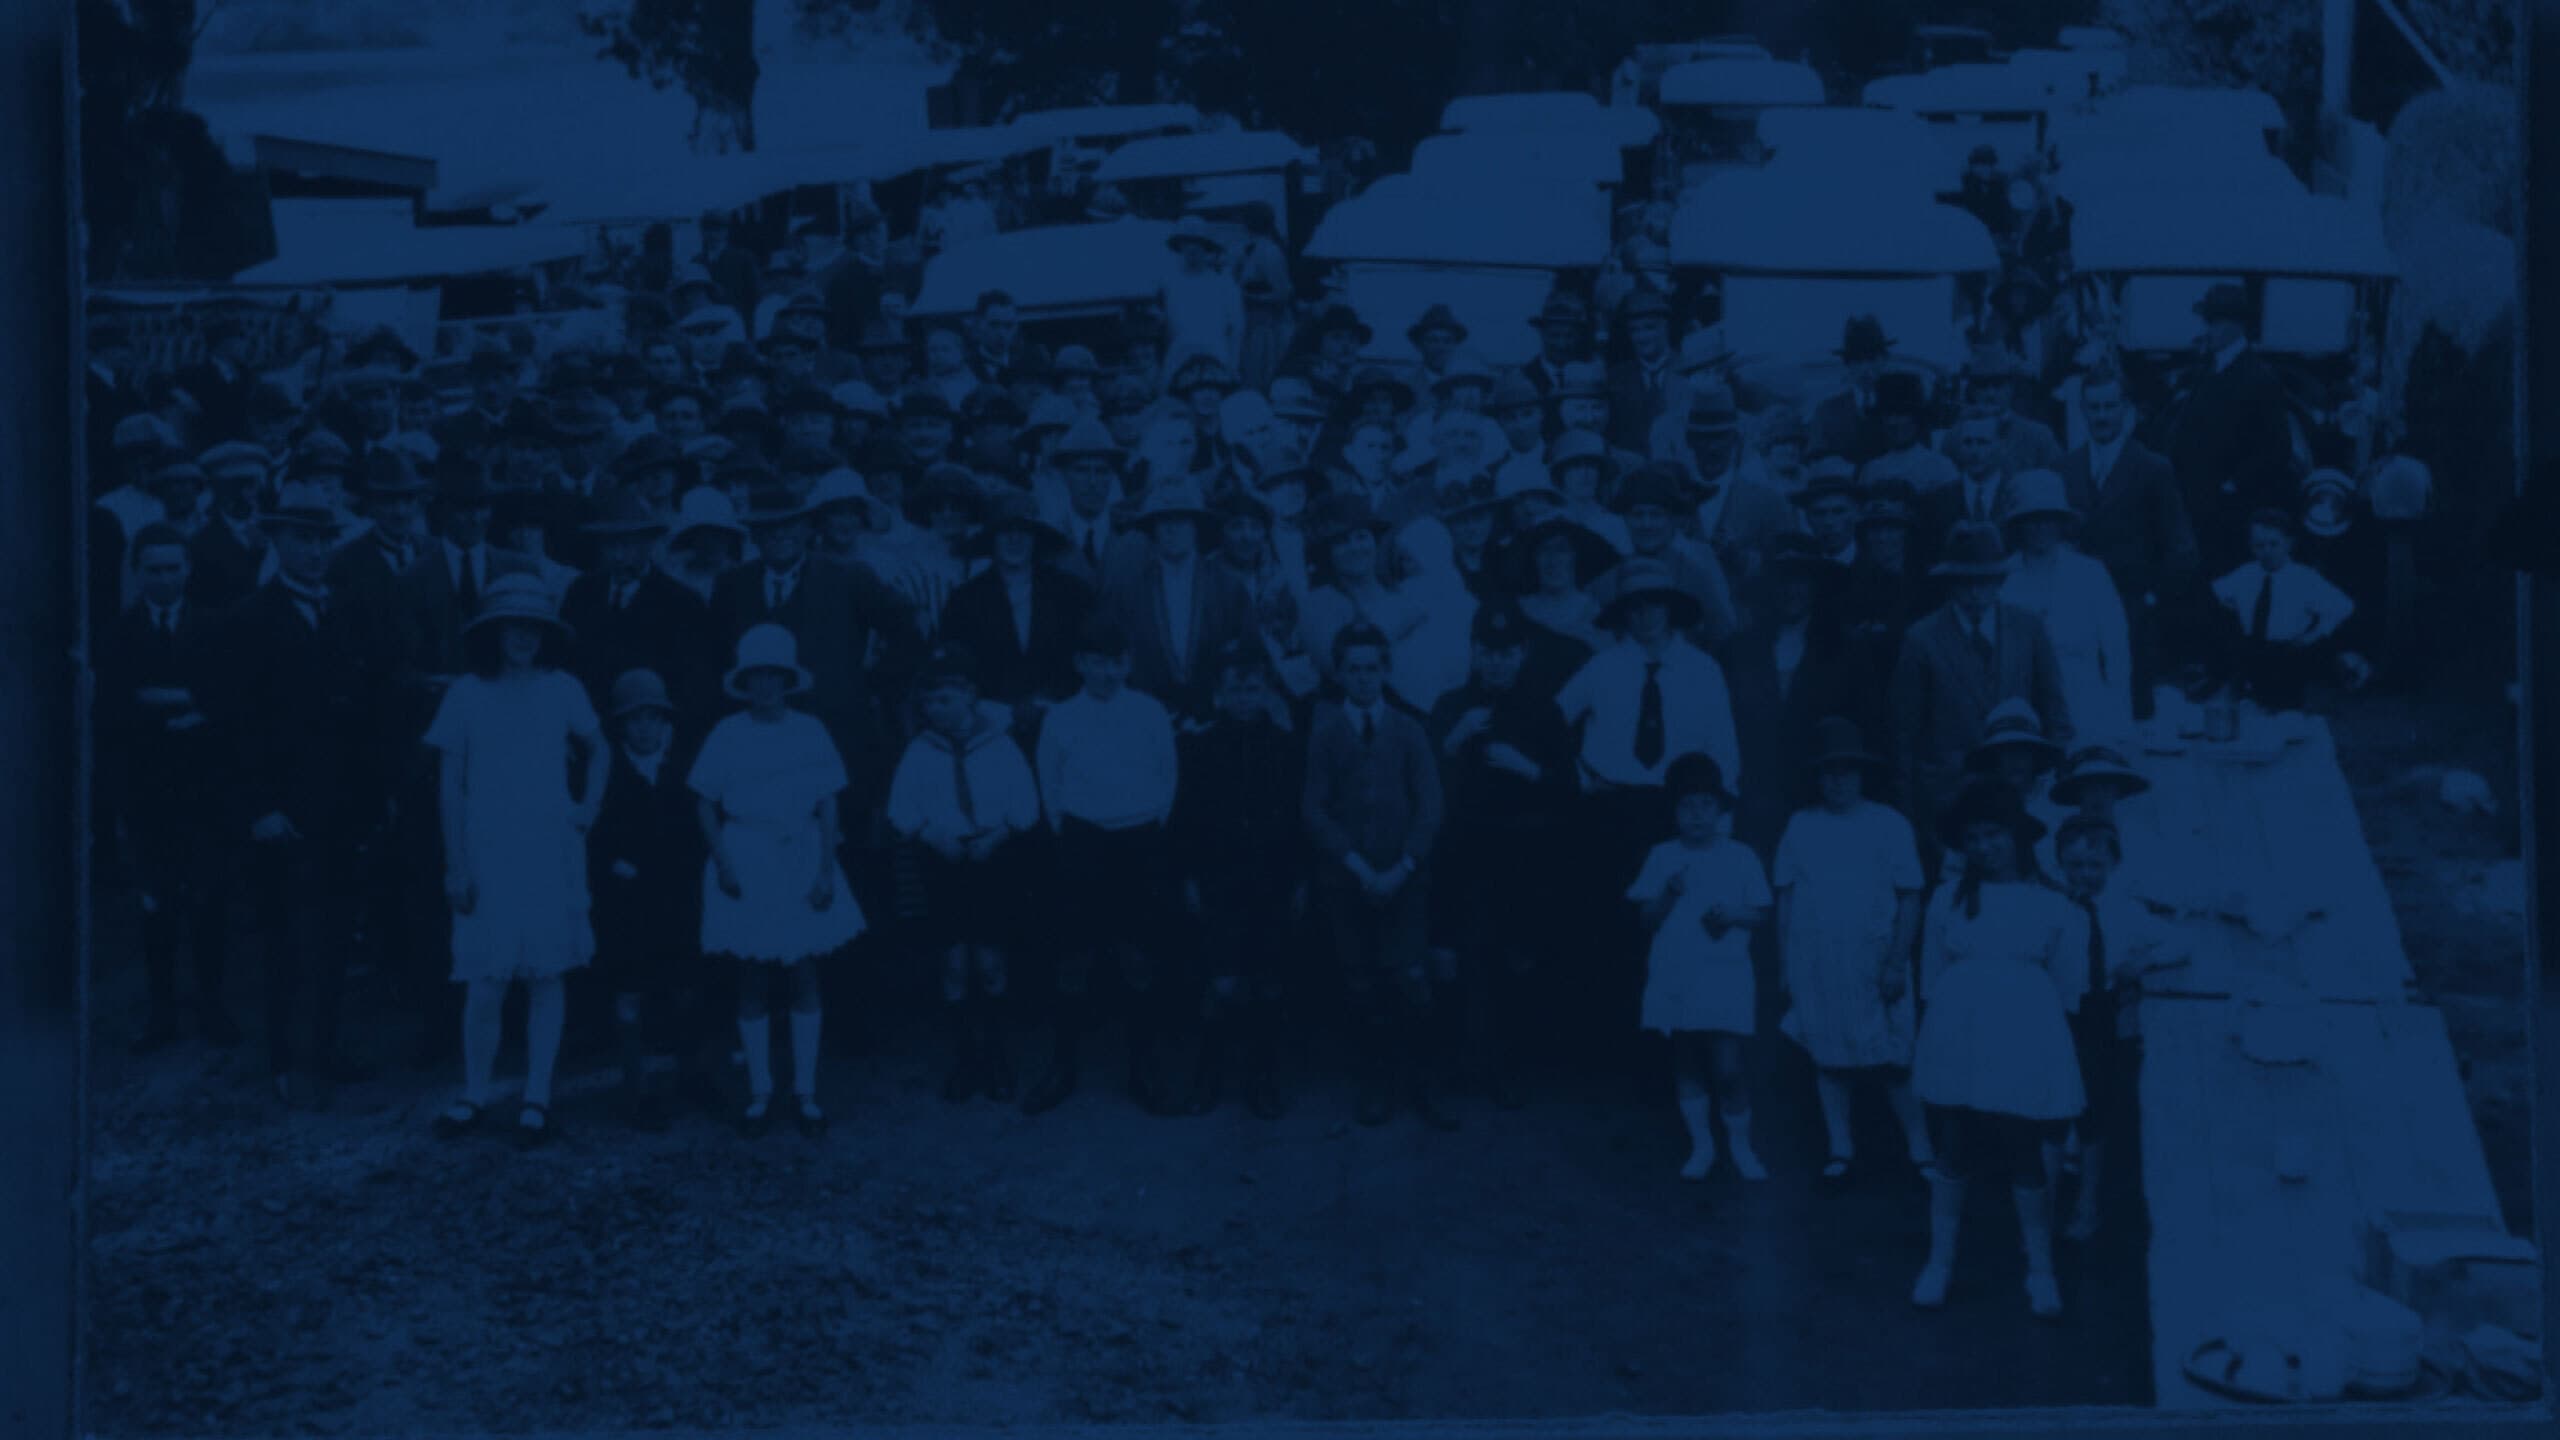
point(45, 920)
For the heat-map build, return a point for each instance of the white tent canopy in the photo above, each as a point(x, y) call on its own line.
point(2241, 230)
point(1420, 220)
point(1576, 157)
point(1550, 111)
point(1892, 145)
point(1052, 269)
point(1742, 83)
point(1216, 152)
point(1785, 221)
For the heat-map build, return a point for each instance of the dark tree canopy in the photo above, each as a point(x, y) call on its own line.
point(706, 47)
point(160, 200)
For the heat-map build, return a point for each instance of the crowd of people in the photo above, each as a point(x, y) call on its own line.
point(790, 642)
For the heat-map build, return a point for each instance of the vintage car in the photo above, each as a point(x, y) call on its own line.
point(1489, 250)
point(1966, 106)
point(1711, 111)
point(1071, 283)
point(1216, 171)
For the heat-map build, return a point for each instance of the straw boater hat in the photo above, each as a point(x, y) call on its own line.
point(2095, 763)
point(626, 516)
point(1176, 499)
point(1696, 774)
point(638, 690)
point(766, 647)
point(1986, 801)
point(1838, 741)
point(1646, 581)
point(1593, 555)
point(390, 475)
point(1973, 552)
point(771, 504)
point(2038, 494)
point(1438, 317)
point(521, 598)
point(2012, 724)
point(236, 459)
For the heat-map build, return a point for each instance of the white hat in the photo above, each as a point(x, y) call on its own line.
point(766, 647)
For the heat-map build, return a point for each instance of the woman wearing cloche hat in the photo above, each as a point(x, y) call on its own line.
point(2077, 600)
point(515, 841)
point(773, 894)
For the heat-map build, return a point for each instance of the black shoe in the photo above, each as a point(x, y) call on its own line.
point(156, 1036)
point(220, 1030)
point(534, 1128)
point(1262, 1095)
point(1050, 1091)
point(996, 1070)
point(755, 1120)
point(811, 1120)
point(458, 1121)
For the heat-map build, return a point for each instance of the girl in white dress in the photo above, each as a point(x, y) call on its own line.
point(1848, 883)
point(773, 894)
point(2077, 600)
point(2003, 956)
point(515, 841)
point(1703, 894)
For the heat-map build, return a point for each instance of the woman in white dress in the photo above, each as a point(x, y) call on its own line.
point(515, 840)
point(2003, 957)
point(2077, 600)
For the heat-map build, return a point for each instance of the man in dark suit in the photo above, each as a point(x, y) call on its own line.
point(1019, 616)
point(1980, 494)
point(857, 637)
point(629, 615)
point(226, 554)
point(1564, 338)
point(2232, 443)
point(1089, 462)
point(289, 696)
point(2134, 521)
point(1847, 424)
point(1176, 610)
point(222, 382)
point(1639, 386)
point(1958, 662)
point(480, 430)
point(157, 744)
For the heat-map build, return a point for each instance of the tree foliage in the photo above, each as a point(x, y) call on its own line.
point(160, 200)
point(706, 47)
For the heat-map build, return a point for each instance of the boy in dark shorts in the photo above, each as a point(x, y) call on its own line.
point(644, 869)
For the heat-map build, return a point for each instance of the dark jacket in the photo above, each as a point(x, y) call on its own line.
point(1475, 794)
point(1379, 797)
point(2135, 524)
point(221, 571)
point(1774, 725)
point(652, 829)
point(292, 702)
point(666, 628)
point(144, 764)
point(1236, 812)
point(858, 638)
point(1221, 612)
point(979, 619)
point(1634, 405)
point(1942, 692)
point(1839, 427)
point(2231, 445)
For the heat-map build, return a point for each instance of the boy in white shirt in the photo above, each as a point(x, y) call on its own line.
point(2287, 617)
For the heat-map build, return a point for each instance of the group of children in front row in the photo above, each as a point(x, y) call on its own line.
point(2004, 1037)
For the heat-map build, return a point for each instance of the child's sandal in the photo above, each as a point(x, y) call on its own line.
point(458, 1121)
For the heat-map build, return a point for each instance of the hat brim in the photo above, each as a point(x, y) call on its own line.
point(1062, 457)
point(1873, 764)
point(1593, 555)
point(659, 703)
point(683, 533)
point(2063, 513)
point(2067, 791)
point(1684, 607)
point(1961, 817)
point(733, 685)
point(541, 619)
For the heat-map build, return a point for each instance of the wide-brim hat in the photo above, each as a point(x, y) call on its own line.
point(1332, 517)
point(1973, 552)
point(1793, 557)
point(299, 505)
point(2012, 724)
point(1593, 555)
point(1461, 498)
point(1662, 484)
point(1465, 368)
point(1643, 582)
point(1373, 379)
point(1985, 801)
point(236, 458)
point(1837, 740)
point(766, 647)
point(1828, 476)
point(1438, 317)
point(1296, 399)
point(2038, 494)
point(771, 504)
point(1343, 320)
point(626, 514)
point(1696, 774)
point(520, 598)
point(1172, 500)
point(1863, 338)
point(638, 690)
point(706, 507)
point(2095, 762)
point(1088, 440)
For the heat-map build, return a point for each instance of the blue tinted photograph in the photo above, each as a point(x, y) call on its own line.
point(822, 715)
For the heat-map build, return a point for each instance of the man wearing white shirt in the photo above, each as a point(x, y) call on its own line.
point(2287, 615)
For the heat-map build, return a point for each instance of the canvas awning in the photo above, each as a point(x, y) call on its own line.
point(1567, 157)
point(1104, 122)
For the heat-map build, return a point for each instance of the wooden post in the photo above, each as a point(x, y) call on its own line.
point(2537, 390)
point(43, 735)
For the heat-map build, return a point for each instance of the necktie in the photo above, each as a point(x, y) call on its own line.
point(1092, 548)
point(1649, 741)
point(622, 594)
point(167, 620)
point(960, 787)
point(1982, 645)
point(1368, 727)
point(2264, 610)
point(2097, 950)
point(1980, 497)
point(777, 590)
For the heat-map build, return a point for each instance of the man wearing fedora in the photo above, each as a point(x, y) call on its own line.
point(1653, 502)
point(493, 376)
point(291, 699)
point(2135, 524)
point(1176, 610)
point(225, 554)
point(1993, 381)
point(1981, 494)
point(1846, 423)
point(1088, 464)
point(1828, 505)
point(2232, 439)
point(628, 615)
point(1332, 346)
point(1737, 518)
point(1959, 662)
point(1640, 385)
point(1564, 338)
point(1435, 337)
point(1797, 662)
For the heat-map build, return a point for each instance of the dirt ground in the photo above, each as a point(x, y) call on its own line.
point(341, 1273)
